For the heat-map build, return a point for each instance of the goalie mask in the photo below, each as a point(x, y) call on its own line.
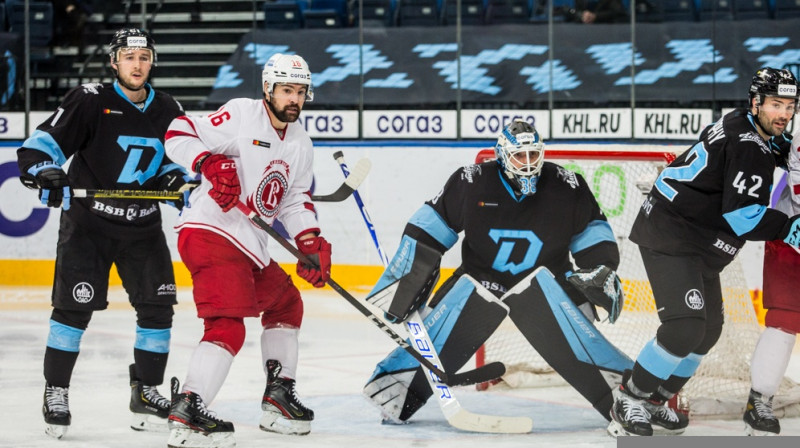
point(770, 81)
point(128, 39)
point(520, 152)
point(287, 69)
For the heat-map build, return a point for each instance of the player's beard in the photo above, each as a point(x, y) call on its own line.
point(769, 125)
point(288, 114)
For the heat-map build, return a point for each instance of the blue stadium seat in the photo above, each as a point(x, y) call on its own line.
point(786, 9)
point(715, 10)
point(679, 10)
point(283, 14)
point(41, 27)
point(751, 9)
point(508, 11)
point(326, 14)
point(417, 13)
point(472, 12)
point(375, 13)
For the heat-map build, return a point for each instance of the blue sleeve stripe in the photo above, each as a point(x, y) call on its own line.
point(44, 142)
point(63, 337)
point(596, 232)
point(171, 167)
point(428, 220)
point(659, 362)
point(745, 219)
point(152, 340)
point(688, 365)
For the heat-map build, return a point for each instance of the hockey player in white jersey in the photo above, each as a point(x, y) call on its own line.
point(252, 151)
point(781, 263)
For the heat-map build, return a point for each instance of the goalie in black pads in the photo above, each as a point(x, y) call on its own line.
point(521, 218)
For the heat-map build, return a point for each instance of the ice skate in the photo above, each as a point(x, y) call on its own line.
point(149, 408)
point(56, 411)
point(283, 411)
point(193, 426)
point(628, 415)
point(665, 420)
point(758, 417)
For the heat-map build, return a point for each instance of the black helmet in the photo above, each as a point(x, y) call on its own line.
point(131, 38)
point(770, 81)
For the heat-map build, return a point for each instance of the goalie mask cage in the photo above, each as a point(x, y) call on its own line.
point(620, 180)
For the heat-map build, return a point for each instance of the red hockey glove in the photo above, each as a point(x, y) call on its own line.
point(225, 188)
point(319, 251)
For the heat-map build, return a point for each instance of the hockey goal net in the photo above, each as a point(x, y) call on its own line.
point(620, 179)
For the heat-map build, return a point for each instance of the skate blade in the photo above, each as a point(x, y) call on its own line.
point(662, 431)
point(183, 437)
point(56, 431)
point(276, 422)
point(148, 422)
point(615, 430)
point(750, 431)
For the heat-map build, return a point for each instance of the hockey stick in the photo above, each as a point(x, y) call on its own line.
point(455, 415)
point(453, 380)
point(343, 192)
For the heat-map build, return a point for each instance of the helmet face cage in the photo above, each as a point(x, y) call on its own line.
point(520, 152)
point(131, 38)
point(287, 69)
point(779, 83)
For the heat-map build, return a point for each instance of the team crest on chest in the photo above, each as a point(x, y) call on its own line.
point(272, 188)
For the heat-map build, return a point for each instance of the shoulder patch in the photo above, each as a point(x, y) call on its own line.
point(92, 88)
point(754, 137)
point(468, 172)
point(569, 177)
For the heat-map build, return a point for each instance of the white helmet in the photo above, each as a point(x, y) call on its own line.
point(520, 152)
point(287, 69)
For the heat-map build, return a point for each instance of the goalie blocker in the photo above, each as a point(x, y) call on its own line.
point(464, 314)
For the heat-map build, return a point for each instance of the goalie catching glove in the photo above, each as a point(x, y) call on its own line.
point(602, 287)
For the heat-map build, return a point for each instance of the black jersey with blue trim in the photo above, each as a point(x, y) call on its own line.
point(507, 236)
point(714, 196)
point(111, 144)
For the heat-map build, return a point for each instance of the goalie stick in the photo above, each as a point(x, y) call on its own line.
point(478, 375)
point(456, 416)
point(340, 194)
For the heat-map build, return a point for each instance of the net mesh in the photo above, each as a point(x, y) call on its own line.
point(620, 181)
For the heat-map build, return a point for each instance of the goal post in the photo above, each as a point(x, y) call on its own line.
point(620, 179)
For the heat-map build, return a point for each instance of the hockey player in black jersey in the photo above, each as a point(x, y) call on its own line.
point(113, 137)
point(521, 217)
point(698, 215)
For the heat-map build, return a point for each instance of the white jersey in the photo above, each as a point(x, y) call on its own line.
point(275, 173)
point(789, 201)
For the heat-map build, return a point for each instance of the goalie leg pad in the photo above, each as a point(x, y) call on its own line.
point(566, 339)
point(460, 323)
point(408, 279)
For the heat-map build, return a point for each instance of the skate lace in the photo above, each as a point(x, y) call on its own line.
point(764, 409)
point(635, 412)
point(662, 412)
point(57, 399)
point(151, 394)
point(208, 413)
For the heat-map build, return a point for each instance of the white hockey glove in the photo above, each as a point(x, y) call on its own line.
point(602, 287)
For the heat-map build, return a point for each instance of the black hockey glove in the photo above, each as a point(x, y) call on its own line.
point(52, 182)
point(780, 146)
point(177, 180)
point(791, 232)
point(602, 287)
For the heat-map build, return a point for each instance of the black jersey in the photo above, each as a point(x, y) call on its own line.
point(714, 196)
point(114, 145)
point(507, 236)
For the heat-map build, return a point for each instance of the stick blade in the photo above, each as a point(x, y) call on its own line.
point(359, 173)
point(468, 421)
